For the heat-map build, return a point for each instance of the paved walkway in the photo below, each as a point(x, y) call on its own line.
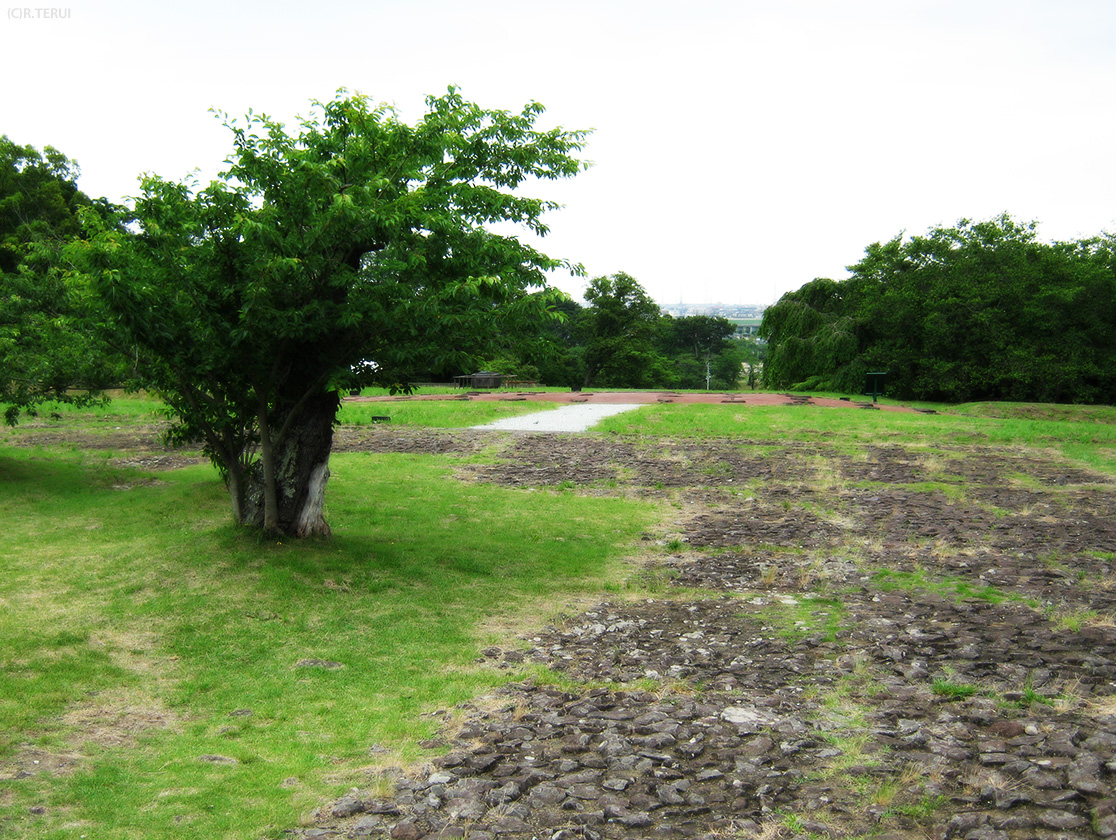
point(567, 418)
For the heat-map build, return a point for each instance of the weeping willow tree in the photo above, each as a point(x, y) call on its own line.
point(812, 341)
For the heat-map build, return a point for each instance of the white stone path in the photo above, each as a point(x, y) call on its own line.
point(568, 418)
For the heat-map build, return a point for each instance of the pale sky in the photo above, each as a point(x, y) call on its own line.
point(741, 149)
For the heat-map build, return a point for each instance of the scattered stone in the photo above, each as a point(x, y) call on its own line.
point(347, 806)
point(407, 830)
point(914, 689)
point(218, 759)
point(326, 664)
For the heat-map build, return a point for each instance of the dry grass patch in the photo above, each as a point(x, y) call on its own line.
point(119, 718)
point(30, 760)
point(1101, 707)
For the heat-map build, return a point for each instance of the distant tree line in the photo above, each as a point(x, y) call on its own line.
point(979, 311)
point(622, 339)
point(61, 339)
point(48, 350)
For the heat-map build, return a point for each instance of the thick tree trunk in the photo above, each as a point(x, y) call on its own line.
point(267, 465)
point(301, 468)
point(234, 481)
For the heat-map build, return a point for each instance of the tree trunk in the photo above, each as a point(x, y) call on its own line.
point(234, 481)
point(301, 467)
point(267, 465)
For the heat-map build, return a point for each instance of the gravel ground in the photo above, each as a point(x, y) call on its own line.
point(894, 643)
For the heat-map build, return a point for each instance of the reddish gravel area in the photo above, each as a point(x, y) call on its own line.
point(621, 397)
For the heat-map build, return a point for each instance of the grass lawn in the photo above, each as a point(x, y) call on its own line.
point(1083, 433)
point(446, 414)
point(151, 651)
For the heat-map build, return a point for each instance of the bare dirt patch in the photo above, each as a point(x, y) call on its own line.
point(898, 644)
point(137, 445)
point(118, 722)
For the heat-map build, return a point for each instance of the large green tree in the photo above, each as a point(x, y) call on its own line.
point(355, 249)
point(811, 338)
point(621, 329)
point(705, 355)
point(981, 310)
point(47, 345)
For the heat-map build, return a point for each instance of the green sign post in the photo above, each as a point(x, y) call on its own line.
point(875, 383)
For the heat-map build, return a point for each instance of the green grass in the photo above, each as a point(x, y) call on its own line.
point(1103, 414)
point(132, 407)
point(141, 631)
point(444, 414)
point(402, 410)
point(953, 691)
point(890, 580)
point(1088, 438)
point(1029, 696)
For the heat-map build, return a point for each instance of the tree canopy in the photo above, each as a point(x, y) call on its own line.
point(356, 249)
point(705, 354)
point(620, 334)
point(979, 311)
point(47, 348)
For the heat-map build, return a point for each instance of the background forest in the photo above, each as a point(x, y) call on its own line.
point(980, 311)
point(621, 339)
point(59, 339)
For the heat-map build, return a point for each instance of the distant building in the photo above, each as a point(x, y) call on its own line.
point(745, 316)
point(732, 311)
point(747, 328)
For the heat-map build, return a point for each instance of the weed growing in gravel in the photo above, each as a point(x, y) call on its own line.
point(841, 711)
point(652, 580)
point(890, 580)
point(1085, 434)
point(953, 691)
point(782, 825)
point(854, 752)
point(925, 808)
point(1073, 619)
point(949, 490)
point(1031, 696)
point(807, 617)
point(659, 686)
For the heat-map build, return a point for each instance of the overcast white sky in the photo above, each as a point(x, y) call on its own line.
point(741, 148)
